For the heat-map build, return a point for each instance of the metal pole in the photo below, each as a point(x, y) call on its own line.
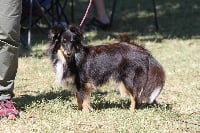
point(155, 15)
point(30, 24)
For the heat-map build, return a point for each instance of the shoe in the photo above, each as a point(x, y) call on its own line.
point(95, 24)
point(7, 109)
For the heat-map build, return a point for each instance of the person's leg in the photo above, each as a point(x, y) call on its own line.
point(100, 11)
point(10, 16)
point(100, 19)
point(8, 69)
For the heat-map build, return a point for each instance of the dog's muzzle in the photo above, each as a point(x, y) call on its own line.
point(69, 54)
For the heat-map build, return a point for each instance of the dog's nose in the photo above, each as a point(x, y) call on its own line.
point(68, 53)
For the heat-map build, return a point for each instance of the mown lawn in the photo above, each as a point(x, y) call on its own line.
point(46, 107)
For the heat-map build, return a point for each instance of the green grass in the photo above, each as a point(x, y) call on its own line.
point(46, 107)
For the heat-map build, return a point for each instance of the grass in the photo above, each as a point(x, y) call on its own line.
point(46, 107)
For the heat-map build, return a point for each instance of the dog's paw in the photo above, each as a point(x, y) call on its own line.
point(88, 109)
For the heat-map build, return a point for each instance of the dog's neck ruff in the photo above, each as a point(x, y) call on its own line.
point(59, 72)
point(77, 56)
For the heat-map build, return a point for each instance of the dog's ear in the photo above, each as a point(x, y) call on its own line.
point(55, 37)
point(55, 32)
point(77, 31)
point(124, 38)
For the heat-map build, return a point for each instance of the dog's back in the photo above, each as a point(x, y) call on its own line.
point(128, 63)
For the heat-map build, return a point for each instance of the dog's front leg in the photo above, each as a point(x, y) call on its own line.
point(79, 100)
point(83, 97)
point(86, 99)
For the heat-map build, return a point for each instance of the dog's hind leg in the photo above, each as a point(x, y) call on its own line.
point(124, 90)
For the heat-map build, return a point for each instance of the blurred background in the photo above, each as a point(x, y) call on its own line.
point(175, 18)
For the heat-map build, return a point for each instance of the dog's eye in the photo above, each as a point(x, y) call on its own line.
point(64, 40)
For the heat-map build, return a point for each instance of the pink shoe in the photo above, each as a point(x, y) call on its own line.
point(8, 110)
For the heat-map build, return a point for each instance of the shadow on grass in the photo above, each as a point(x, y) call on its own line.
point(36, 54)
point(177, 19)
point(156, 105)
point(37, 38)
point(26, 100)
point(100, 103)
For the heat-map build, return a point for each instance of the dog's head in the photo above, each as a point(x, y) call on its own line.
point(68, 40)
point(71, 40)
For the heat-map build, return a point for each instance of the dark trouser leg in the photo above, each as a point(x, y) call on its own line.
point(9, 42)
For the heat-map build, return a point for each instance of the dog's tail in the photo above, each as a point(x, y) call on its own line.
point(155, 81)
